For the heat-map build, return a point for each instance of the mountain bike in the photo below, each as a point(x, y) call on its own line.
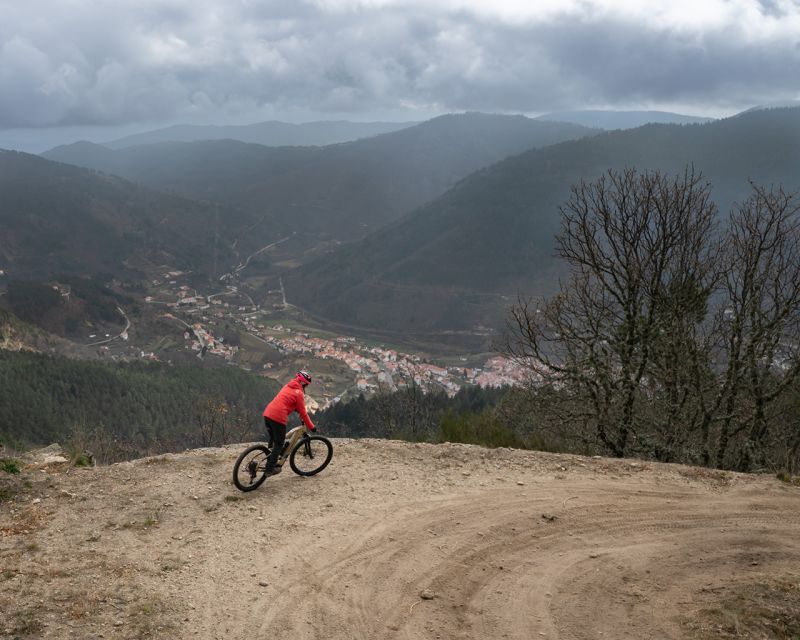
point(307, 455)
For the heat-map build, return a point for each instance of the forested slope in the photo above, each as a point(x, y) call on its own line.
point(138, 407)
point(457, 262)
point(59, 219)
point(341, 190)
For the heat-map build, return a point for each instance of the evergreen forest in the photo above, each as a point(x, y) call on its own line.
point(123, 410)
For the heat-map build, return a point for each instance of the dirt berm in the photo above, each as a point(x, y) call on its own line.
point(399, 540)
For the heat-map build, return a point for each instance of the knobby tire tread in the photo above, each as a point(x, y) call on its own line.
point(259, 480)
point(298, 451)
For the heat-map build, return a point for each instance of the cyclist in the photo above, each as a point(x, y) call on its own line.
point(276, 415)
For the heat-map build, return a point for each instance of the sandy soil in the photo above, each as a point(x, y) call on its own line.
point(393, 540)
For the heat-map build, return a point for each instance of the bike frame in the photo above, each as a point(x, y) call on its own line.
point(292, 438)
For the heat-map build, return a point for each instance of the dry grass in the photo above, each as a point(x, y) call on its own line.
point(149, 617)
point(25, 521)
point(701, 473)
point(26, 623)
point(785, 476)
point(144, 524)
point(753, 611)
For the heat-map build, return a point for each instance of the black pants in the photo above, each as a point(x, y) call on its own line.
point(277, 436)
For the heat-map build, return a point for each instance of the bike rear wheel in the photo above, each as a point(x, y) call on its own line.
point(311, 455)
point(250, 469)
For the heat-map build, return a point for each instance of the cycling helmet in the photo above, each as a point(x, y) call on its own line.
point(303, 377)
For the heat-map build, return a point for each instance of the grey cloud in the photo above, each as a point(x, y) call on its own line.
point(618, 63)
point(32, 88)
point(132, 61)
point(773, 8)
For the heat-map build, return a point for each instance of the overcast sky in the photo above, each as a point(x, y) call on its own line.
point(118, 66)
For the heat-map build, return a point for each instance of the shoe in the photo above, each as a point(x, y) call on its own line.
point(274, 471)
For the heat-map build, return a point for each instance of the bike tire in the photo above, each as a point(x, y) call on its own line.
point(311, 455)
point(250, 469)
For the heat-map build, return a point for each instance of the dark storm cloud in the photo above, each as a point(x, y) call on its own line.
point(141, 60)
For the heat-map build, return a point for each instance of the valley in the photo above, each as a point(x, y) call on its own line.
point(258, 330)
point(521, 280)
point(384, 264)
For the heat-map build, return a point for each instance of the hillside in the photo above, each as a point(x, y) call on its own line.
point(456, 263)
point(621, 119)
point(130, 408)
point(60, 219)
point(69, 306)
point(16, 335)
point(340, 191)
point(397, 540)
point(272, 133)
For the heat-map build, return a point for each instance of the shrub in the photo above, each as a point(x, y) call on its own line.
point(788, 478)
point(9, 465)
point(480, 428)
point(83, 459)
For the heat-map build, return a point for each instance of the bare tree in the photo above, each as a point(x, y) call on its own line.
point(212, 422)
point(249, 424)
point(414, 405)
point(98, 444)
point(668, 339)
point(762, 286)
point(638, 252)
point(407, 411)
point(383, 416)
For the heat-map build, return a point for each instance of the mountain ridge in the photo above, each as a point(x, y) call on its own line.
point(273, 133)
point(342, 190)
point(493, 232)
point(63, 219)
point(607, 119)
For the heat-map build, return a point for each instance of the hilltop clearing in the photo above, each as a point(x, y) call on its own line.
point(399, 540)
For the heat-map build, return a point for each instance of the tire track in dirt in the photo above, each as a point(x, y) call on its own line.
point(497, 568)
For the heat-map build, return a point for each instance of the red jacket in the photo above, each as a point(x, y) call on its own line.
point(290, 398)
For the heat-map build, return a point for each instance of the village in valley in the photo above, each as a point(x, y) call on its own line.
point(271, 329)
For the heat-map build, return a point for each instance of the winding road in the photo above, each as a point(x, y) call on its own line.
point(123, 335)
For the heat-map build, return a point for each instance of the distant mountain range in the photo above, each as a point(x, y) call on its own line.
point(456, 263)
point(456, 215)
point(340, 191)
point(621, 119)
point(272, 133)
point(203, 205)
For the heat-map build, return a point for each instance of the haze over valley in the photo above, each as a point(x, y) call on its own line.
point(420, 238)
point(424, 235)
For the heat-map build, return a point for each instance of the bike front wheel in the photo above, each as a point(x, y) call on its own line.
point(311, 455)
point(250, 469)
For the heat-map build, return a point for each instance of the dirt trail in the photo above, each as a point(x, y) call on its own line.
point(393, 540)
